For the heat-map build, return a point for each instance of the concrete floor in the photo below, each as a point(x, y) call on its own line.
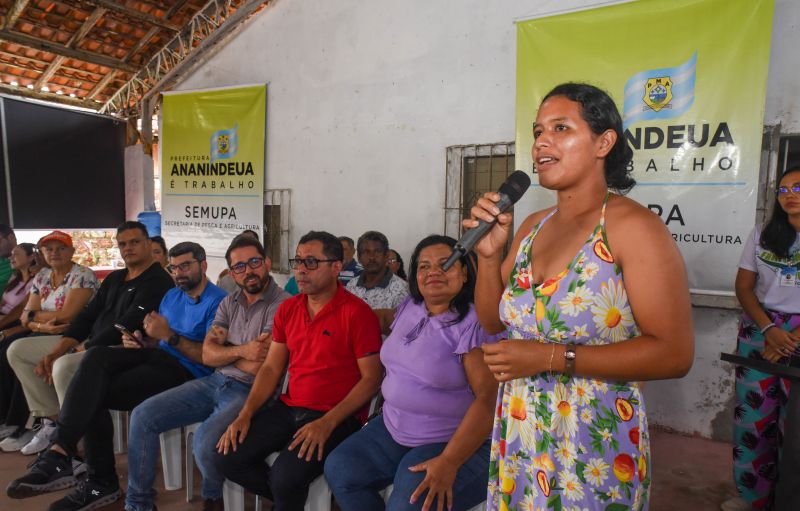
point(688, 473)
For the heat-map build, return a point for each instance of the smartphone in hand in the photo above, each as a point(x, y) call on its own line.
point(127, 332)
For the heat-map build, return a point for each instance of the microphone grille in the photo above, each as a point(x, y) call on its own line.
point(516, 185)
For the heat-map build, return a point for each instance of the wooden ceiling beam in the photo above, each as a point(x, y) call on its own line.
point(60, 24)
point(60, 49)
point(175, 8)
point(51, 98)
point(102, 84)
point(14, 12)
point(86, 27)
point(62, 68)
point(133, 13)
point(143, 41)
point(75, 39)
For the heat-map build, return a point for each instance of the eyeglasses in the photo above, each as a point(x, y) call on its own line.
point(783, 190)
point(311, 263)
point(392, 261)
point(253, 262)
point(173, 268)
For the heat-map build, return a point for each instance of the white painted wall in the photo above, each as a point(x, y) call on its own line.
point(783, 93)
point(364, 97)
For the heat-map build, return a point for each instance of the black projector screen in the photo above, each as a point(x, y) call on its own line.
point(3, 190)
point(66, 168)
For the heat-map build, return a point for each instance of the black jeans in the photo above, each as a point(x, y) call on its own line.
point(271, 430)
point(13, 406)
point(111, 378)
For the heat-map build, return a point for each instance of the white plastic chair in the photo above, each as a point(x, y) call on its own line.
point(171, 462)
point(319, 494)
point(120, 421)
point(188, 434)
point(388, 491)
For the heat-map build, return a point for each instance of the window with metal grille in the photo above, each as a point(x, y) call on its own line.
point(779, 152)
point(473, 170)
point(277, 233)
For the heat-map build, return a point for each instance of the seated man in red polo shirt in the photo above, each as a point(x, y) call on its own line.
point(330, 340)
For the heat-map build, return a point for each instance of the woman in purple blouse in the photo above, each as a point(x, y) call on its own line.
point(431, 440)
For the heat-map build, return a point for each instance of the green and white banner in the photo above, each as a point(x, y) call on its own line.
point(689, 77)
point(212, 165)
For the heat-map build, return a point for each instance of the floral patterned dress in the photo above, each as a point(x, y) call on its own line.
point(563, 442)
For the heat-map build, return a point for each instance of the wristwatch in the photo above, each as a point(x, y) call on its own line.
point(31, 314)
point(174, 339)
point(569, 359)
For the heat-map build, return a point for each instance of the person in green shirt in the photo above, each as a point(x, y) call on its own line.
point(8, 240)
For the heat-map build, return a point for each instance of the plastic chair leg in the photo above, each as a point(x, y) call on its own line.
point(120, 421)
point(171, 462)
point(233, 496)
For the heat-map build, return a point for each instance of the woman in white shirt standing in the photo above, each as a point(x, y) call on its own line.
point(768, 288)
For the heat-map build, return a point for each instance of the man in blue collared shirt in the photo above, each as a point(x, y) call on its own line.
point(113, 378)
point(236, 347)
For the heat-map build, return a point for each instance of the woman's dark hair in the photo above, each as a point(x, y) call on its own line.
point(160, 241)
point(460, 303)
point(778, 235)
point(601, 114)
point(16, 275)
point(401, 271)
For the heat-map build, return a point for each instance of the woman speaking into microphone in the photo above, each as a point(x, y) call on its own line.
point(594, 298)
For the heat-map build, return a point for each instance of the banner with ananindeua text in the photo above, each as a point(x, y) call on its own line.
point(689, 77)
point(212, 165)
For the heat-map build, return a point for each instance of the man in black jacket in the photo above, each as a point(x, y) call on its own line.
point(125, 297)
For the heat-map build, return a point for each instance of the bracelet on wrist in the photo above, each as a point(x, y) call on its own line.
point(767, 327)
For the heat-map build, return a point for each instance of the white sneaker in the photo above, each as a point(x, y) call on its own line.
point(735, 504)
point(45, 433)
point(16, 442)
point(6, 430)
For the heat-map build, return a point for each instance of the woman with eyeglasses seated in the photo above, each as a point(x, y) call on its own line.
point(12, 403)
point(431, 441)
point(395, 263)
point(768, 288)
point(57, 295)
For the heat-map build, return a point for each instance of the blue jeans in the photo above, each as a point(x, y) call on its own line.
point(214, 399)
point(370, 460)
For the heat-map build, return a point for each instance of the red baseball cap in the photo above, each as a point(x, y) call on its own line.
point(59, 236)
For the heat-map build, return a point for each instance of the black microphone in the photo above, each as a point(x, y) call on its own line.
point(510, 192)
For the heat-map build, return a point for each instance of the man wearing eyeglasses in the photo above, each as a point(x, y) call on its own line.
point(236, 346)
point(119, 379)
point(330, 340)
